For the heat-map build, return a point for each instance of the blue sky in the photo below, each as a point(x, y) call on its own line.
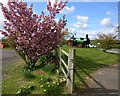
point(86, 17)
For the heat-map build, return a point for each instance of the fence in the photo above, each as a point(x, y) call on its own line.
point(69, 75)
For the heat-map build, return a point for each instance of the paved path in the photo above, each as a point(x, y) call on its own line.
point(103, 82)
point(117, 51)
point(9, 57)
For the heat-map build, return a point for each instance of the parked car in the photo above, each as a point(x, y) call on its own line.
point(92, 46)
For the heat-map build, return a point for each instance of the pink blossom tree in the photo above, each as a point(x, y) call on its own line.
point(33, 35)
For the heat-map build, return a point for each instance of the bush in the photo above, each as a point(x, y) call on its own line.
point(28, 74)
point(51, 60)
point(34, 35)
point(106, 41)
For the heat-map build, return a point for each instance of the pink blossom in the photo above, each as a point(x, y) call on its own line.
point(34, 35)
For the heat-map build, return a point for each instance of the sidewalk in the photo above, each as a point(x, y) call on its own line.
point(116, 51)
point(103, 82)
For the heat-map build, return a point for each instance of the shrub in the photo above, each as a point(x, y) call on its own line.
point(33, 35)
point(106, 41)
point(28, 74)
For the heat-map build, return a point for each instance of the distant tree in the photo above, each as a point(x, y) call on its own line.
point(31, 35)
point(65, 34)
point(106, 41)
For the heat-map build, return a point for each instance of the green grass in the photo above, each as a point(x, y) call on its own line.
point(117, 46)
point(87, 60)
point(15, 78)
point(8, 48)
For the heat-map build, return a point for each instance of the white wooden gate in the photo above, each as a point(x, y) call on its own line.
point(69, 75)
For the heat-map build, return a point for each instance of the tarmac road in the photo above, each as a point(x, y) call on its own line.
point(9, 57)
point(103, 82)
point(116, 51)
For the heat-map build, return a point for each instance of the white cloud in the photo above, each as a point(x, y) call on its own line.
point(106, 22)
point(109, 13)
point(4, 1)
point(82, 18)
point(93, 34)
point(82, 22)
point(1, 36)
point(56, 19)
point(67, 10)
point(2, 19)
point(72, 30)
point(81, 25)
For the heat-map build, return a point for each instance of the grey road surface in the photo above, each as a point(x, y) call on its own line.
point(103, 82)
point(9, 57)
point(116, 51)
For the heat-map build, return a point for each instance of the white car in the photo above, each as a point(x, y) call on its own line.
point(92, 46)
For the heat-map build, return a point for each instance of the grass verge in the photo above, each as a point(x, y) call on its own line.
point(45, 81)
point(87, 61)
point(16, 79)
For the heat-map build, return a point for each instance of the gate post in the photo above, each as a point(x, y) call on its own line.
point(70, 79)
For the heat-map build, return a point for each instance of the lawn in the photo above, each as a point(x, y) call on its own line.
point(87, 61)
point(44, 81)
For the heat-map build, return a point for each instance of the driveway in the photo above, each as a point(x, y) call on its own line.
point(116, 51)
point(103, 82)
point(9, 57)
